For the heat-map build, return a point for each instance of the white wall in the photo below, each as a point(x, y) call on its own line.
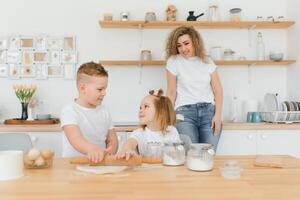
point(127, 85)
point(293, 41)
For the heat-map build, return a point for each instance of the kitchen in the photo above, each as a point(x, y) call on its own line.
point(93, 42)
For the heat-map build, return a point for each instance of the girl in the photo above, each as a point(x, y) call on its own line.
point(157, 118)
point(193, 85)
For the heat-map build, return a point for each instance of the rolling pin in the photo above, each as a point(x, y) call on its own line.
point(111, 160)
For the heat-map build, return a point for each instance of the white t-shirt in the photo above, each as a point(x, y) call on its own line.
point(143, 137)
point(193, 79)
point(94, 124)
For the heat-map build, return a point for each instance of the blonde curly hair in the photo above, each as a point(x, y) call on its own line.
point(171, 48)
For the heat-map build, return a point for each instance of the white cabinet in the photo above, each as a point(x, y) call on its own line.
point(285, 142)
point(47, 140)
point(244, 142)
point(234, 142)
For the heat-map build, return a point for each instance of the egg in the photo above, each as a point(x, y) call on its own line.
point(27, 161)
point(47, 154)
point(39, 162)
point(33, 154)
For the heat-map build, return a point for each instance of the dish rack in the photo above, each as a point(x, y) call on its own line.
point(281, 116)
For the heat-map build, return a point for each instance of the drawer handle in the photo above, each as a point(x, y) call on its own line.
point(250, 137)
point(264, 137)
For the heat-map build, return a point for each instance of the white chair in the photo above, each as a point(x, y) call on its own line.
point(15, 141)
point(186, 141)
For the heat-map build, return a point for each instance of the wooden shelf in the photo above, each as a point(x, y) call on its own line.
point(217, 62)
point(197, 24)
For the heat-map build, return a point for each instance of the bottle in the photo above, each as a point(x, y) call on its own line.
point(260, 47)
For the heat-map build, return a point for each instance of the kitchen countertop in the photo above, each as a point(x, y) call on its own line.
point(129, 128)
point(62, 181)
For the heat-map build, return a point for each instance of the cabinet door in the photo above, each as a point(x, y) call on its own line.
point(279, 142)
point(237, 142)
point(48, 140)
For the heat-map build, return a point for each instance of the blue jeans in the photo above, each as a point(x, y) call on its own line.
point(196, 123)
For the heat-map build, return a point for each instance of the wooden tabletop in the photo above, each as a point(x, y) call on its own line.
point(130, 128)
point(62, 181)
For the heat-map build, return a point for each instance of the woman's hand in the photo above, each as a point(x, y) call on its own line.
point(216, 124)
point(95, 154)
point(126, 154)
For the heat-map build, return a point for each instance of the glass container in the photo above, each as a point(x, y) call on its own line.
point(200, 157)
point(173, 154)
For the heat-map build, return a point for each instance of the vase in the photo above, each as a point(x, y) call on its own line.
point(24, 115)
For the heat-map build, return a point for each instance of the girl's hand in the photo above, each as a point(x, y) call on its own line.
point(109, 150)
point(126, 154)
point(216, 124)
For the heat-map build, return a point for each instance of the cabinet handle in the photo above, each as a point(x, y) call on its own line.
point(34, 139)
point(264, 137)
point(250, 137)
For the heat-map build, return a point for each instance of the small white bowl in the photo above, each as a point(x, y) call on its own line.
point(43, 116)
point(276, 56)
point(11, 165)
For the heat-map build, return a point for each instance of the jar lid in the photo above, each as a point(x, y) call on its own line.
point(235, 10)
point(173, 143)
point(201, 146)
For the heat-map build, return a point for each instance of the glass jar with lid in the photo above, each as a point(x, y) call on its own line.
point(235, 14)
point(173, 153)
point(200, 157)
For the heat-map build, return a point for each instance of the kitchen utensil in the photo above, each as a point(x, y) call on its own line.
point(213, 13)
point(173, 154)
point(276, 56)
point(268, 161)
point(111, 160)
point(231, 169)
point(235, 14)
point(200, 157)
point(11, 165)
point(192, 17)
point(150, 16)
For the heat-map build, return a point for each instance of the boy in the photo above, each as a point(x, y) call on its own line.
point(87, 124)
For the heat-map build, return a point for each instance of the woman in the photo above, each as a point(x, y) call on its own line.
point(194, 87)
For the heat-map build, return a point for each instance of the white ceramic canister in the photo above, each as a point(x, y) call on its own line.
point(200, 157)
point(216, 53)
point(11, 165)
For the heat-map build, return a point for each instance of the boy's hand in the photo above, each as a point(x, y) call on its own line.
point(96, 154)
point(126, 154)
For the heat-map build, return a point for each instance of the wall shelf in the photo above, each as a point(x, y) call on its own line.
point(218, 62)
point(198, 24)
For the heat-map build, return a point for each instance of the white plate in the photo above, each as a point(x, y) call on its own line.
point(270, 102)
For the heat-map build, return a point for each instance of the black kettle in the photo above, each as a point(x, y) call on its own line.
point(192, 17)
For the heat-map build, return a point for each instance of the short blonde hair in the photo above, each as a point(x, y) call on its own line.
point(171, 47)
point(90, 69)
point(165, 112)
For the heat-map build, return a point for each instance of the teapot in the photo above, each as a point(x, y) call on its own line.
point(192, 17)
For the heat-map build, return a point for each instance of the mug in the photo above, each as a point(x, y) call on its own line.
point(256, 117)
point(250, 117)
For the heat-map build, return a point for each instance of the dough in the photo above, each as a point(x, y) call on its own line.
point(100, 169)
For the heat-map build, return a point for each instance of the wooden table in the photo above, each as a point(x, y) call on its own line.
point(64, 182)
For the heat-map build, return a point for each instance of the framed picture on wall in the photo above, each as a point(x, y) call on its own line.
point(2, 56)
point(55, 71)
point(14, 43)
point(40, 43)
point(27, 71)
point(41, 71)
point(69, 57)
point(3, 70)
point(13, 57)
point(3, 43)
point(27, 42)
point(55, 57)
point(27, 58)
point(40, 57)
point(54, 43)
point(14, 71)
point(69, 71)
point(69, 43)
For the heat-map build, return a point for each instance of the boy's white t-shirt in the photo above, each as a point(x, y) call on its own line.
point(193, 79)
point(94, 124)
point(143, 137)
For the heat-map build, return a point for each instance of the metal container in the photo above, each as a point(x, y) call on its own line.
point(146, 55)
point(173, 154)
point(200, 157)
point(150, 16)
point(124, 16)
